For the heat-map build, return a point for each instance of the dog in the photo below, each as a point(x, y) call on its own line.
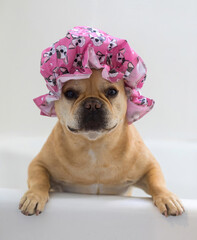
point(62, 53)
point(112, 44)
point(48, 54)
point(93, 150)
point(77, 41)
point(98, 40)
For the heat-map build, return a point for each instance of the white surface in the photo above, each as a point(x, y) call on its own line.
point(91, 217)
point(87, 217)
point(163, 33)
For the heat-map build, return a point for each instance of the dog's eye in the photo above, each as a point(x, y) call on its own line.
point(111, 92)
point(70, 94)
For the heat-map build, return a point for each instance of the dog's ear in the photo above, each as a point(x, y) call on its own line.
point(51, 77)
point(45, 54)
point(122, 50)
point(64, 70)
point(66, 59)
point(71, 46)
point(58, 54)
point(68, 35)
point(102, 38)
point(91, 36)
point(55, 69)
point(99, 54)
point(130, 67)
point(74, 36)
point(108, 60)
point(47, 59)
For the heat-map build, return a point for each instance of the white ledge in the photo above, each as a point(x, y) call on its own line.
point(96, 217)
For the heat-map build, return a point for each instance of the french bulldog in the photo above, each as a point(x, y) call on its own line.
point(93, 150)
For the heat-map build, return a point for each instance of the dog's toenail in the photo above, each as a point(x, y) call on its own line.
point(37, 212)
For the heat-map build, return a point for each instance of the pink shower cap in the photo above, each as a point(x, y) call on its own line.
point(84, 48)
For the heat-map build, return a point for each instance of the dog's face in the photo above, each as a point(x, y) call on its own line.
point(97, 41)
point(92, 107)
point(78, 60)
point(61, 51)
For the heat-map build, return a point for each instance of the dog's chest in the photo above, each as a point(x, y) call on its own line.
point(92, 155)
point(94, 176)
point(99, 168)
point(97, 188)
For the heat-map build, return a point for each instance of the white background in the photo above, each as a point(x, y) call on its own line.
point(163, 33)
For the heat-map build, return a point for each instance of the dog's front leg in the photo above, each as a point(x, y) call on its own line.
point(35, 198)
point(154, 184)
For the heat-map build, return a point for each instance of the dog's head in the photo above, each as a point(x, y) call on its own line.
point(61, 51)
point(92, 107)
point(98, 40)
point(78, 60)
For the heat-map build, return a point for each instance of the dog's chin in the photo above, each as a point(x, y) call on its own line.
point(91, 134)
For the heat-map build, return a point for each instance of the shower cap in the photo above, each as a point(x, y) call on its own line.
point(84, 48)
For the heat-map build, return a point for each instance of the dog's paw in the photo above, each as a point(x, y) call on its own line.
point(33, 203)
point(168, 204)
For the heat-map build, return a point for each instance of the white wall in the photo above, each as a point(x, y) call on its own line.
point(163, 33)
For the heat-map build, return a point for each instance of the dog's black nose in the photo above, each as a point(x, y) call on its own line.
point(93, 114)
point(92, 104)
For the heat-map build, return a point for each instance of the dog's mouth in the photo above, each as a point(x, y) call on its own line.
point(74, 130)
point(92, 117)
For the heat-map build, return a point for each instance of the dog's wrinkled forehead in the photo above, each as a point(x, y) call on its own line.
point(92, 86)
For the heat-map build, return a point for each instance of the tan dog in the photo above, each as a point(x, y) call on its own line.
point(92, 149)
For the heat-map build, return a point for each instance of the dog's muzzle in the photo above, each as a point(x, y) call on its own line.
point(92, 115)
